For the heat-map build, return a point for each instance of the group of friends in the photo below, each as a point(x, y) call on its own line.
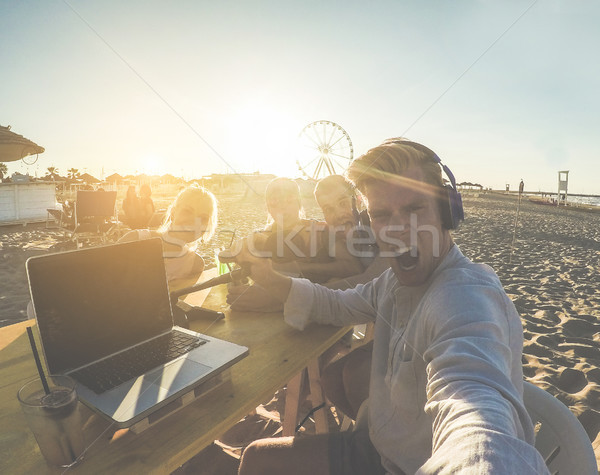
point(442, 378)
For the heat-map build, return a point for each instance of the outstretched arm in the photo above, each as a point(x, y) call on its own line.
point(304, 301)
point(478, 418)
point(344, 265)
point(252, 298)
point(255, 298)
point(262, 272)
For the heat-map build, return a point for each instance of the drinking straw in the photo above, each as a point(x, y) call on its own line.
point(37, 360)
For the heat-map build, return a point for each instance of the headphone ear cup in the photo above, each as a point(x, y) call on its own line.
point(452, 209)
point(445, 209)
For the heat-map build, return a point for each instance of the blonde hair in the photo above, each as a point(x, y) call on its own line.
point(391, 160)
point(334, 183)
point(285, 186)
point(201, 201)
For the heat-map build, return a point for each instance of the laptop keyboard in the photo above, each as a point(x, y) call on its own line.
point(111, 372)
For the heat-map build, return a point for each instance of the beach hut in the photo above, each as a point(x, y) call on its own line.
point(467, 185)
point(26, 201)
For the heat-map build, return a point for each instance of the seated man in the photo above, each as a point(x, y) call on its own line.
point(299, 246)
point(346, 380)
point(335, 196)
point(446, 390)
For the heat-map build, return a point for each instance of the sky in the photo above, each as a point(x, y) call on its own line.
point(502, 91)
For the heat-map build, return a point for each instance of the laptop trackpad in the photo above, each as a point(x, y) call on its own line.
point(179, 375)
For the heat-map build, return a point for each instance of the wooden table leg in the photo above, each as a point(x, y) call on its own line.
point(317, 397)
point(292, 402)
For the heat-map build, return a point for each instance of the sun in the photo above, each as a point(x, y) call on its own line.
point(262, 139)
point(152, 165)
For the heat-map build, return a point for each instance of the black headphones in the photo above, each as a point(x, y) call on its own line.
point(451, 206)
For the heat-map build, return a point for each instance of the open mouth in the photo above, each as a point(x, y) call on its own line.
point(407, 258)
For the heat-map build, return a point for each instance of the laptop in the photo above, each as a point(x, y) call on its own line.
point(104, 317)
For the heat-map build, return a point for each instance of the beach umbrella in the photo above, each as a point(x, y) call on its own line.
point(87, 178)
point(170, 179)
point(114, 178)
point(14, 147)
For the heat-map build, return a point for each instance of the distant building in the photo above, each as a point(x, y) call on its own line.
point(17, 177)
point(465, 185)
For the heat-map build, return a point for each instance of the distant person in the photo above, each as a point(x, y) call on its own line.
point(69, 211)
point(146, 205)
point(521, 187)
point(190, 221)
point(131, 208)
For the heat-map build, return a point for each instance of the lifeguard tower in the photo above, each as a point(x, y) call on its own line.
point(563, 182)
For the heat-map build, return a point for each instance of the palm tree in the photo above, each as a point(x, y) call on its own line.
point(53, 172)
point(73, 173)
point(3, 170)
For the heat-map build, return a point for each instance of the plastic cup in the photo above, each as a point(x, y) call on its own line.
point(54, 419)
point(221, 266)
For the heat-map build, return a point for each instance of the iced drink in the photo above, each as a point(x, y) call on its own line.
point(221, 266)
point(54, 419)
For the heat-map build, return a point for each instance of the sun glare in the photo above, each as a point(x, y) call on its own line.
point(152, 165)
point(262, 140)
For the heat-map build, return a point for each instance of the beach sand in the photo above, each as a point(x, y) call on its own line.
point(553, 277)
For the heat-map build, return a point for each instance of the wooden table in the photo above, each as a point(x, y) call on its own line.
point(277, 354)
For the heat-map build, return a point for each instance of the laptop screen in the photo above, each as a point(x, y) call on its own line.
point(93, 302)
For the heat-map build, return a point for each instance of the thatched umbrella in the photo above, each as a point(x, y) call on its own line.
point(87, 178)
point(114, 178)
point(14, 147)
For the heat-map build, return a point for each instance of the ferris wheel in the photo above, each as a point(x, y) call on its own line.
point(324, 149)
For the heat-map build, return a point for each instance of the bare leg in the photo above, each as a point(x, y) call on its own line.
point(287, 455)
